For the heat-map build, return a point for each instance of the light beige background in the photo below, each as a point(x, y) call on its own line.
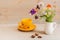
point(11, 11)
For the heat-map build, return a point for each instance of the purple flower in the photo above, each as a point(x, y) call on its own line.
point(32, 11)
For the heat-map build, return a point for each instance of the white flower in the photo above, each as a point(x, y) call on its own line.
point(41, 4)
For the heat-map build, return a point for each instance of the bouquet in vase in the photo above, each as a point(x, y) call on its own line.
point(43, 11)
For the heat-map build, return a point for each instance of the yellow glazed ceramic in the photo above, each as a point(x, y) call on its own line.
point(26, 25)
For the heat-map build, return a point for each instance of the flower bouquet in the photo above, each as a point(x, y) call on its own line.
point(43, 12)
point(47, 13)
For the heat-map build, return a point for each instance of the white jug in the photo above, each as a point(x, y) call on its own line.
point(50, 27)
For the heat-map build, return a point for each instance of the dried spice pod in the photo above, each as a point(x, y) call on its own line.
point(39, 36)
point(36, 34)
point(33, 36)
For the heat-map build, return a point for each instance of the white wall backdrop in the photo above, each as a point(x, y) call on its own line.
point(11, 11)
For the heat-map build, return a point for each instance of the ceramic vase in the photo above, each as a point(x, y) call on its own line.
point(50, 27)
